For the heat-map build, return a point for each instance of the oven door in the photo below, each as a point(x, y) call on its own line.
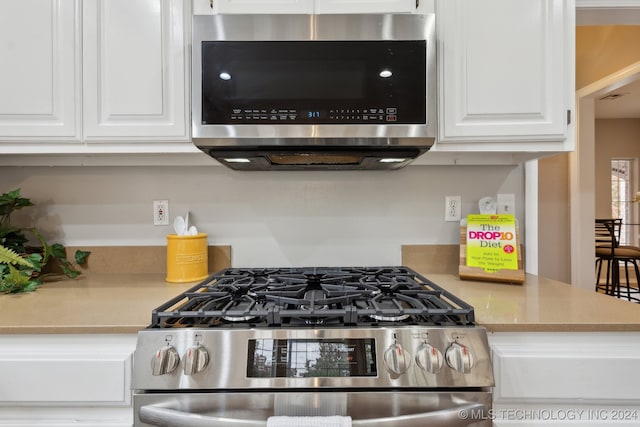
point(371, 408)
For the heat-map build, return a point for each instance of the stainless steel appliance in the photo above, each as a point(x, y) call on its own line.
point(382, 345)
point(313, 91)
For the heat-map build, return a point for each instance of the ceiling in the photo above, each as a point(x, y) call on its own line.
point(621, 103)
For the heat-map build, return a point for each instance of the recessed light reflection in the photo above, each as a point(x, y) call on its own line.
point(225, 76)
point(393, 160)
point(237, 160)
point(385, 73)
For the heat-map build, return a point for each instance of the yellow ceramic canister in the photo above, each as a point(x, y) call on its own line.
point(187, 258)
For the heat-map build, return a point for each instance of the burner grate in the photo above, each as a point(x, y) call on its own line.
point(326, 296)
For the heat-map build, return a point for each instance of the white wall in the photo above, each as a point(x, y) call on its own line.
point(615, 138)
point(270, 218)
point(553, 218)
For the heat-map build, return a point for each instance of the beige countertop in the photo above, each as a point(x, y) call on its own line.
point(541, 305)
point(122, 303)
point(98, 303)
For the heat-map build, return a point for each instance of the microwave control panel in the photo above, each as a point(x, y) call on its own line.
point(318, 116)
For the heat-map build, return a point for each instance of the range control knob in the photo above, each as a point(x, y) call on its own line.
point(195, 359)
point(397, 359)
point(459, 358)
point(429, 358)
point(165, 361)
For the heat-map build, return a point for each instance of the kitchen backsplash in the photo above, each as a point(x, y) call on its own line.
point(142, 259)
point(269, 218)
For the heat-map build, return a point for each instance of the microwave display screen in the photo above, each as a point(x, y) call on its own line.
point(314, 82)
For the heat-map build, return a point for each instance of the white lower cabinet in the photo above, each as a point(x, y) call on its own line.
point(66, 380)
point(561, 379)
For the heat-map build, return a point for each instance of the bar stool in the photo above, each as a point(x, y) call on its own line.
point(605, 242)
point(608, 251)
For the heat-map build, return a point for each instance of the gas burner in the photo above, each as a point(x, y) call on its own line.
point(313, 295)
point(239, 310)
point(304, 297)
point(239, 319)
point(381, 318)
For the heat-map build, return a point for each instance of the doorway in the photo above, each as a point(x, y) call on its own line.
point(582, 177)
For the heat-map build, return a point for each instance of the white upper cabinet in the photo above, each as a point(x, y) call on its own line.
point(134, 67)
point(39, 75)
point(76, 72)
point(306, 6)
point(506, 74)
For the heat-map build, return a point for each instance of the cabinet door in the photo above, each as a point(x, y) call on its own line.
point(134, 63)
point(591, 378)
point(263, 6)
point(365, 6)
point(39, 76)
point(505, 69)
point(66, 380)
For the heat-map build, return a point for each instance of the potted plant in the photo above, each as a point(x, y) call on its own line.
point(22, 266)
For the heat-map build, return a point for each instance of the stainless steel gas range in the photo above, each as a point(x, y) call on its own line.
point(379, 346)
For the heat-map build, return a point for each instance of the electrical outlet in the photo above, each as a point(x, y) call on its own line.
point(452, 208)
point(506, 203)
point(160, 212)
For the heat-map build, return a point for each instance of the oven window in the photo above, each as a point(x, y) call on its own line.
point(294, 358)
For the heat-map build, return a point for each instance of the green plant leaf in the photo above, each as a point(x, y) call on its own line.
point(12, 238)
point(27, 274)
point(71, 273)
point(15, 281)
point(81, 257)
point(11, 201)
point(7, 256)
point(14, 198)
point(58, 251)
point(31, 286)
point(36, 261)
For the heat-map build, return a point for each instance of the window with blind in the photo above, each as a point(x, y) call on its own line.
point(621, 196)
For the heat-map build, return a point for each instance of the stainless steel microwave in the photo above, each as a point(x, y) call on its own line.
point(313, 91)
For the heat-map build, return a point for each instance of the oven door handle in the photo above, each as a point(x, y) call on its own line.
point(458, 416)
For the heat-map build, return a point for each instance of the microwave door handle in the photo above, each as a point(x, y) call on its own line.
point(458, 416)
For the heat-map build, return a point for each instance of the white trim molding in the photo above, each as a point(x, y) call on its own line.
point(607, 4)
point(607, 12)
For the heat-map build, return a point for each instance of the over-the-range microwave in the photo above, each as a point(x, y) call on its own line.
point(314, 91)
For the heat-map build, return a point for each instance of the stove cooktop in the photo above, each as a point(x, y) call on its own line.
point(314, 297)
